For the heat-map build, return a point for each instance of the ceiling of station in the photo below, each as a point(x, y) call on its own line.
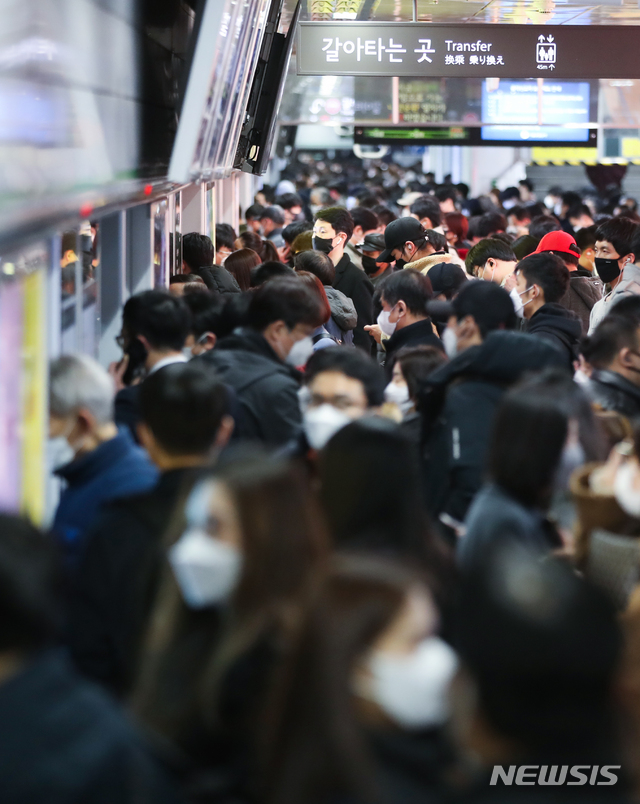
point(539, 12)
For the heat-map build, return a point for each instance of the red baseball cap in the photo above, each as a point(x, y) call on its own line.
point(558, 241)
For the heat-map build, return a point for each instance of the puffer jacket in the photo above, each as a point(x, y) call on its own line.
point(583, 294)
point(630, 286)
point(218, 279)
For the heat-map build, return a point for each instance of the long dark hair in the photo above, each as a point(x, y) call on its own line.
point(189, 652)
point(530, 431)
point(314, 745)
point(240, 263)
point(370, 490)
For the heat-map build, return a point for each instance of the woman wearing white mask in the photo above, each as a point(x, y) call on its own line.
point(411, 366)
point(248, 556)
point(359, 710)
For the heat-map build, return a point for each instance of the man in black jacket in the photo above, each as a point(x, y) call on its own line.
point(259, 361)
point(184, 420)
point(404, 296)
point(332, 230)
point(614, 352)
point(155, 327)
point(197, 258)
point(541, 281)
point(459, 399)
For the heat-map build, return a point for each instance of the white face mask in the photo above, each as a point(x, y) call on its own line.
point(624, 489)
point(450, 342)
point(206, 569)
point(300, 352)
point(398, 394)
point(385, 325)
point(186, 352)
point(322, 423)
point(518, 306)
point(413, 689)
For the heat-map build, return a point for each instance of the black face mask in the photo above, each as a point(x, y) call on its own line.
point(400, 264)
point(324, 244)
point(370, 265)
point(608, 270)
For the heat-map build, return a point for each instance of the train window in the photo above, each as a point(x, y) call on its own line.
point(69, 269)
point(79, 265)
point(159, 212)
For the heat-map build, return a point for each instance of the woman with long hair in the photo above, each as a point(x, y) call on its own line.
point(543, 431)
point(370, 489)
point(240, 263)
point(250, 549)
point(263, 248)
point(356, 713)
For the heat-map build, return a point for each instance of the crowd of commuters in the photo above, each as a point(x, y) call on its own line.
point(355, 519)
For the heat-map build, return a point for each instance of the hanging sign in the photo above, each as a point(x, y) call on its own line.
point(420, 49)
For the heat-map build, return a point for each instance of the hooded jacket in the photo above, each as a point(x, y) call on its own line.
point(218, 279)
point(581, 297)
point(267, 388)
point(629, 286)
point(343, 310)
point(343, 317)
point(611, 391)
point(560, 327)
point(425, 264)
point(458, 404)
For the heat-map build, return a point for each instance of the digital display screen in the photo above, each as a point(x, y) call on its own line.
point(454, 135)
point(512, 112)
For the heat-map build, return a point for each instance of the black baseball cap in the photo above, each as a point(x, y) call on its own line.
point(398, 233)
point(446, 276)
point(372, 242)
point(488, 303)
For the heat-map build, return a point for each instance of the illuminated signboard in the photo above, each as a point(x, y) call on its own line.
point(454, 135)
point(493, 51)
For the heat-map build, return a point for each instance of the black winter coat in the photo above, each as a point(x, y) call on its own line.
point(560, 327)
point(267, 388)
point(612, 391)
point(218, 279)
point(355, 284)
point(458, 404)
point(419, 334)
point(64, 741)
point(117, 582)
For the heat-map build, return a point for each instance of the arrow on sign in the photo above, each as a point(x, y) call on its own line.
point(541, 38)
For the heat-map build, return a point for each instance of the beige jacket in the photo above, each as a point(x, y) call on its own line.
point(425, 264)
